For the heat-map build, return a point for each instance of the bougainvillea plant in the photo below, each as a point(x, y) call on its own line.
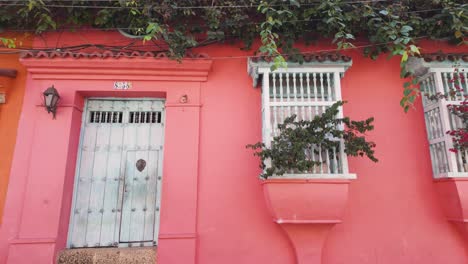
point(292, 149)
point(459, 135)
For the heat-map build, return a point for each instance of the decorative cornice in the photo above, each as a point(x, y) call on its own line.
point(318, 60)
point(99, 66)
point(419, 66)
point(104, 54)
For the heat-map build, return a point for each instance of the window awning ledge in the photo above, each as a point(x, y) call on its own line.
point(256, 66)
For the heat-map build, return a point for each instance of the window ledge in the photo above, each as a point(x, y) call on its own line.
point(450, 175)
point(310, 176)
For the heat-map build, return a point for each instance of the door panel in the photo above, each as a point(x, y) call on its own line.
point(139, 188)
point(115, 203)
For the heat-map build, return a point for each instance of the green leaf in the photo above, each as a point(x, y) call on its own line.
point(405, 56)
point(406, 29)
point(383, 12)
point(414, 49)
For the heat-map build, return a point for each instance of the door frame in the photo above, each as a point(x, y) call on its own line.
point(123, 168)
point(35, 223)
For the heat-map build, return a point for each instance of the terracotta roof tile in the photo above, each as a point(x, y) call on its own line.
point(310, 57)
point(103, 54)
point(440, 56)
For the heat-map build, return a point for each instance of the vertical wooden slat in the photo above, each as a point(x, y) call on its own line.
point(295, 94)
point(329, 95)
point(83, 187)
point(288, 96)
point(111, 192)
point(451, 159)
point(434, 160)
point(314, 76)
point(320, 158)
point(309, 99)
point(322, 88)
point(312, 149)
point(267, 128)
point(98, 180)
point(301, 81)
point(274, 126)
point(335, 162)
point(327, 160)
point(459, 81)
point(445, 84)
point(465, 79)
point(281, 108)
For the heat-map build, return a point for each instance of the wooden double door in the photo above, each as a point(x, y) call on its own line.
point(119, 171)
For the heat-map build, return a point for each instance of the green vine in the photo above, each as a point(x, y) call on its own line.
point(392, 27)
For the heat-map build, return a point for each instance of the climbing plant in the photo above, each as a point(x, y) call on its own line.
point(392, 27)
point(298, 141)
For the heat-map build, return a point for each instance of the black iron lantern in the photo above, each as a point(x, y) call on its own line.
point(51, 98)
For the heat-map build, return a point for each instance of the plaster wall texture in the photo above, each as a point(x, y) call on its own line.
point(393, 213)
point(9, 118)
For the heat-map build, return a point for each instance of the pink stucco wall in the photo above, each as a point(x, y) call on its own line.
point(393, 213)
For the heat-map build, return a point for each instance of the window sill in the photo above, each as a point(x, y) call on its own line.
point(310, 176)
point(450, 175)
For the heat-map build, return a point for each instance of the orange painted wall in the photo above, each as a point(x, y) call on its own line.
point(9, 117)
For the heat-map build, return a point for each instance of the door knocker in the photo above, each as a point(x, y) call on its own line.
point(140, 165)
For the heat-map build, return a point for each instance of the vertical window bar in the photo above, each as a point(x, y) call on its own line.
point(438, 122)
point(312, 155)
point(465, 87)
point(329, 88)
point(308, 95)
point(322, 88)
point(295, 94)
point(434, 160)
point(327, 157)
point(320, 158)
point(316, 93)
point(335, 163)
point(288, 95)
point(460, 84)
point(274, 109)
point(301, 82)
point(281, 109)
point(445, 77)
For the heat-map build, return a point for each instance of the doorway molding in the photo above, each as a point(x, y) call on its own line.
point(38, 204)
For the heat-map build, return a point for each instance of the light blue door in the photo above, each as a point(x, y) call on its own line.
point(118, 180)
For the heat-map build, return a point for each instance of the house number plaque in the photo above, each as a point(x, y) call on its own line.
point(122, 85)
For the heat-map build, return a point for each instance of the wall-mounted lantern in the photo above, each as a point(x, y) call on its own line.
point(51, 98)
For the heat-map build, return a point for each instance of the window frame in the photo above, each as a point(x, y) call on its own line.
point(261, 70)
point(432, 81)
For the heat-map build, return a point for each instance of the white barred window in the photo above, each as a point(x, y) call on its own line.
point(443, 77)
point(305, 90)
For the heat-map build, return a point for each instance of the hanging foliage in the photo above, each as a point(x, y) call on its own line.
point(299, 141)
point(392, 27)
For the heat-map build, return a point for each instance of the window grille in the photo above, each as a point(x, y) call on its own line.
point(105, 117)
point(439, 120)
point(139, 117)
point(305, 92)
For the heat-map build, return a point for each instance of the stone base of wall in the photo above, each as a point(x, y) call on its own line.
point(142, 255)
